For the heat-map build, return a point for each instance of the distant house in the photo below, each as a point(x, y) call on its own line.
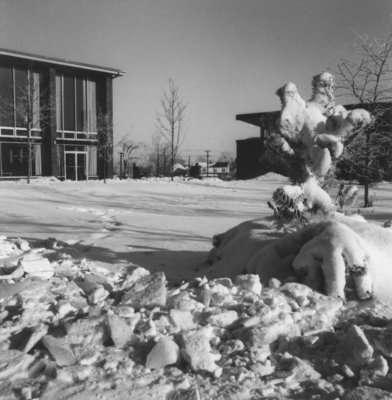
point(179, 170)
point(203, 169)
point(215, 170)
point(66, 145)
point(221, 169)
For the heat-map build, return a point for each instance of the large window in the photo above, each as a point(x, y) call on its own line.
point(19, 97)
point(76, 107)
point(13, 160)
point(69, 104)
point(7, 97)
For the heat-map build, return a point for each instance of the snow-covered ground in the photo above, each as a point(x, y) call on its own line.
point(156, 223)
point(82, 332)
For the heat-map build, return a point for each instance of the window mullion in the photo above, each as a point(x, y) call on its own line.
point(75, 106)
point(62, 104)
point(14, 99)
point(85, 109)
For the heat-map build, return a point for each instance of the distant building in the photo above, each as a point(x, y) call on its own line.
point(250, 151)
point(221, 169)
point(253, 159)
point(179, 170)
point(66, 145)
point(204, 169)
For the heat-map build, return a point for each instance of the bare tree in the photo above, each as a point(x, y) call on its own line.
point(129, 149)
point(156, 155)
point(29, 108)
point(160, 151)
point(170, 120)
point(225, 156)
point(105, 139)
point(366, 80)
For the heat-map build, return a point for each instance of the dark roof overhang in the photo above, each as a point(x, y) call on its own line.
point(114, 72)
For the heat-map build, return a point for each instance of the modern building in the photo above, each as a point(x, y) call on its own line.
point(253, 157)
point(250, 151)
point(54, 107)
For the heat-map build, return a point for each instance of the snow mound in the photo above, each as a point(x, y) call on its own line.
point(131, 331)
point(272, 176)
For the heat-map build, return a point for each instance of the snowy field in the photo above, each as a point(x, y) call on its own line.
point(72, 330)
point(156, 223)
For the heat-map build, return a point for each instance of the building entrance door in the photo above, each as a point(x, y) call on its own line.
point(76, 165)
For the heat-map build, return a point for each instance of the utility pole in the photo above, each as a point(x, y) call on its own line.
point(208, 159)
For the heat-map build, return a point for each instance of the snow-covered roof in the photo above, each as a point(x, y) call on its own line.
point(178, 166)
point(221, 164)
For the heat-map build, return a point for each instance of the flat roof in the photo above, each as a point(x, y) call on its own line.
point(58, 61)
point(258, 119)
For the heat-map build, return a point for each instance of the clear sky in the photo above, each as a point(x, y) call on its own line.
point(227, 56)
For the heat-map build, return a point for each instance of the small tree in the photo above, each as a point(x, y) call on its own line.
point(225, 156)
point(159, 154)
point(105, 139)
point(170, 120)
point(366, 79)
point(129, 149)
point(30, 106)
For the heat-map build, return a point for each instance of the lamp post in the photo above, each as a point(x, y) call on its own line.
point(121, 164)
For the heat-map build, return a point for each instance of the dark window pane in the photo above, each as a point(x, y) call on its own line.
point(70, 166)
point(21, 97)
point(69, 104)
point(14, 159)
point(59, 104)
point(20, 132)
point(69, 135)
point(7, 132)
point(81, 166)
point(80, 106)
point(6, 93)
point(92, 105)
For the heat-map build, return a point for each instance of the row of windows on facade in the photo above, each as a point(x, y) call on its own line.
point(76, 105)
point(71, 160)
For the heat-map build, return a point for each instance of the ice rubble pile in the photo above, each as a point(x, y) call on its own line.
point(72, 329)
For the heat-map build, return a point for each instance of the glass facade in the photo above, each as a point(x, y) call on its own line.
point(69, 104)
point(20, 102)
point(20, 96)
point(7, 97)
point(14, 159)
point(76, 107)
point(65, 123)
